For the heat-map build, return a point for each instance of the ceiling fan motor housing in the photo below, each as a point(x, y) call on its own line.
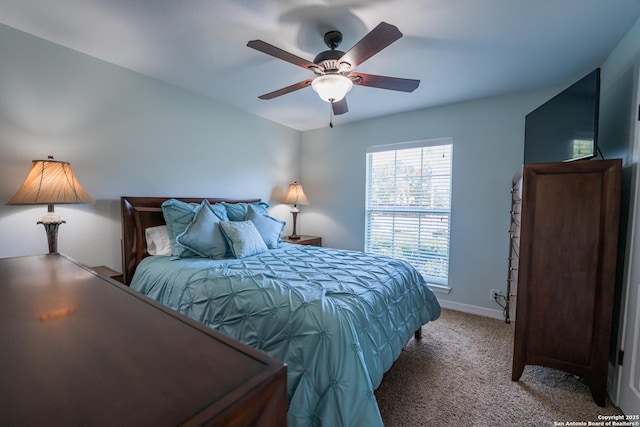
point(328, 60)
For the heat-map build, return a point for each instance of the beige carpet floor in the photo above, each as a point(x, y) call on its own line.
point(459, 374)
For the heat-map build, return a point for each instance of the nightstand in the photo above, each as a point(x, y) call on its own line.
point(103, 270)
point(304, 240)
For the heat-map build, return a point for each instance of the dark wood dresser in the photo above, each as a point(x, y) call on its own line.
point(567, 269)
point(77, 348)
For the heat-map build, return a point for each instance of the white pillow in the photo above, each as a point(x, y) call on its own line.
point(158, 240)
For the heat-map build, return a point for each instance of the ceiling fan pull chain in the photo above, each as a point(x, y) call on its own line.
point(331, 114)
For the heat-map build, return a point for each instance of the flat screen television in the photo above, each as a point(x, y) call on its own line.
point(565, 128)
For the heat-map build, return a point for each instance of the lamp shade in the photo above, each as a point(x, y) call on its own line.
point(50, 182)
point(332, 87)
point(295, 195)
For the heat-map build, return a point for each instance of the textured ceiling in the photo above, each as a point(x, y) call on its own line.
point(459, 49)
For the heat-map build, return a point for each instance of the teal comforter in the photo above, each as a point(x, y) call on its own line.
point(339, 319)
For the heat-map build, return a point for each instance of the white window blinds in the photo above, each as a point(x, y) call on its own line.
point(408, 204)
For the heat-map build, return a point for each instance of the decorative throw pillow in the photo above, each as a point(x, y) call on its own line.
point(203, 235)
point(269, 228)
point(238, 211)
point(243, 238)
point(178, 215)
point(157, 240)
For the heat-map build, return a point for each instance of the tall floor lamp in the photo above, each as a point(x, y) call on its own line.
point(50, 182)
point(295, 196)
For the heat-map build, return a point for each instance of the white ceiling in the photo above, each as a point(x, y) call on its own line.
point(459, 49)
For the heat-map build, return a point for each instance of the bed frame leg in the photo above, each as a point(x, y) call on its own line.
point(418, 333)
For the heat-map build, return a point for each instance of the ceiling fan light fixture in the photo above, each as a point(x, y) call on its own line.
point(332, 87)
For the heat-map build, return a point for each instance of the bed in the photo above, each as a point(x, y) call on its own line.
point(339, 319)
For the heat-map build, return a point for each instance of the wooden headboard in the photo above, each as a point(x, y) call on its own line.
point(140, 213)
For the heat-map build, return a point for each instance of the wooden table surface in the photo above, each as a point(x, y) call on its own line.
point(80, 349)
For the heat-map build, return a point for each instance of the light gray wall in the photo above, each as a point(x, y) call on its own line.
point(124, 134)
point(488, 145)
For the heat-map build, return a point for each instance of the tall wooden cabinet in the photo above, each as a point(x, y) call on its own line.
point(567, 268)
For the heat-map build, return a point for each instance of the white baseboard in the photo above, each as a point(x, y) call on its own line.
point(472, 309)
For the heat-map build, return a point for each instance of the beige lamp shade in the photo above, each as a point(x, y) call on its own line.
point(295, 195)
point(50, 182)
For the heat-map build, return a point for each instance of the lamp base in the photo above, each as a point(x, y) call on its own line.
point(294, 235)
point(51, 229)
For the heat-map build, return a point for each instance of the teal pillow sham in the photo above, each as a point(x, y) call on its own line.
point(269, 228)
point(243, 238)
point(178, 215)
point(203, 235)
point(238, 211)
point(219, 210)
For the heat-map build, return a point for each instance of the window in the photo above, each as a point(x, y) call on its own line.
point(408, 204)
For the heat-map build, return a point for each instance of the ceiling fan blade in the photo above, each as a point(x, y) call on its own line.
point(384, 82)
point(265, 47)
point(376, 40)
point(286, 90)
point(340, 107)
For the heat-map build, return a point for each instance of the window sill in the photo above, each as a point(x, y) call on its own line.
point(440, 289)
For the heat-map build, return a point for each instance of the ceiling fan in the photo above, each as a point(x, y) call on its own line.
point(334, 69)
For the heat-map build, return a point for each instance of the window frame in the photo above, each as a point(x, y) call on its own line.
point(438, 282)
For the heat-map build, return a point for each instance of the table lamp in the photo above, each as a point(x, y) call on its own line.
point(50, 182)
point(295, 196)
